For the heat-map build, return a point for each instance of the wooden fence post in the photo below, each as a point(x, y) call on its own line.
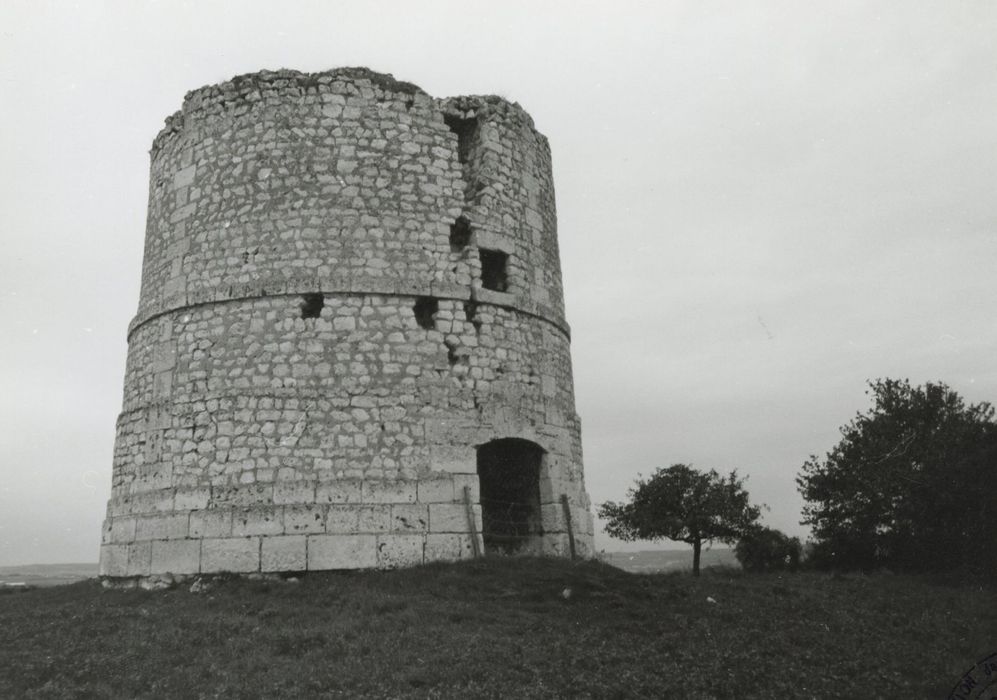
point(567, 521)
point(472, 525)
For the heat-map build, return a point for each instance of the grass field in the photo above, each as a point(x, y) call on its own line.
point(501, 628)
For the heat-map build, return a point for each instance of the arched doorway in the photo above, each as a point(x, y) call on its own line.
point(509, 478)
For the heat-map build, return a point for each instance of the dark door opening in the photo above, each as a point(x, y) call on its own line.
point(509, 477)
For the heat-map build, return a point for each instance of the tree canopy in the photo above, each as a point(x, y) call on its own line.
point(683, 504)
point(909, 486)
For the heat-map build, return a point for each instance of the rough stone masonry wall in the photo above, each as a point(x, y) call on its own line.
point(285, 406)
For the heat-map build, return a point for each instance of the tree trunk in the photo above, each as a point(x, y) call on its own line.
point(696, 546)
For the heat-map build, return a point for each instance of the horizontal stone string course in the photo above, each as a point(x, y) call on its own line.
point(350, 348)
point(293, 291)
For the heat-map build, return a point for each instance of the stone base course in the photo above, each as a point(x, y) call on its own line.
point(318, 536)
point(297, 553)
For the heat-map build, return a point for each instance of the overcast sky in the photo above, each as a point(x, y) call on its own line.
point(762, 205)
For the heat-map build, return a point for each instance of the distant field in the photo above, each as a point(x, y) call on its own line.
point(46, 574)
point(662, 562)
point(501, 628)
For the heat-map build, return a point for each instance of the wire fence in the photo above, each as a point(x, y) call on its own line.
point(512, 527)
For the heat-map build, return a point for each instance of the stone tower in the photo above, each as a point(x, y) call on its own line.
point(350, 348)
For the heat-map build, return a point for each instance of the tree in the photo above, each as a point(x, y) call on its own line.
point(765, 549)
point(683, 504)
point(907, 485)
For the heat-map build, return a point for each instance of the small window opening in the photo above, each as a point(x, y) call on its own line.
point(466, 130)
point(425, 309)
point(460, 235)
point(493, 270)
point(311, 305)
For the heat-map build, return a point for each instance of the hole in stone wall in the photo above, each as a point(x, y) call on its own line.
point(425, 309)
point(509, 476)
point(311, 305)
point(460, 235)
point(471, 314)
point(493, 270)
point(466, 130)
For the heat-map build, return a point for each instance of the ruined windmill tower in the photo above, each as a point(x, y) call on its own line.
point(350, 349)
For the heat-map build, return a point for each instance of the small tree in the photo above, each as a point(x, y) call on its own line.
point(766, 549)
point(683, 504)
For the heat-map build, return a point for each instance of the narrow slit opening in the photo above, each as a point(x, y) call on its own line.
point(471, 314)
point(466, 129)
point(460, 235)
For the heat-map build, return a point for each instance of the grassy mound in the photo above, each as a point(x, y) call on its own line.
point(499, 628)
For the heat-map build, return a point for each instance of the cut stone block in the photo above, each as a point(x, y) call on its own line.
point(409, 517)
point(345, 491)
point(342, 520)
point(285, 553)
point(113, 560)
point(292, 492)
point(304, 519)
point(175, 556)
point(119, 530)
point(257, 521)
point(154, 502)
point(139, 558)
point(341, 552)
point(394, 551)
point(473, 484)
point(192, 499)
point(161, 527)
point(437, 490)
point(454, 459)
point(389, 491)
point(211, 523)
point(245, 495)
point(452, 517)
point(374, 518)
point(235, 555)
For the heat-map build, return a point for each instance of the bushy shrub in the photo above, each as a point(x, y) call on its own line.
point(766, 549)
